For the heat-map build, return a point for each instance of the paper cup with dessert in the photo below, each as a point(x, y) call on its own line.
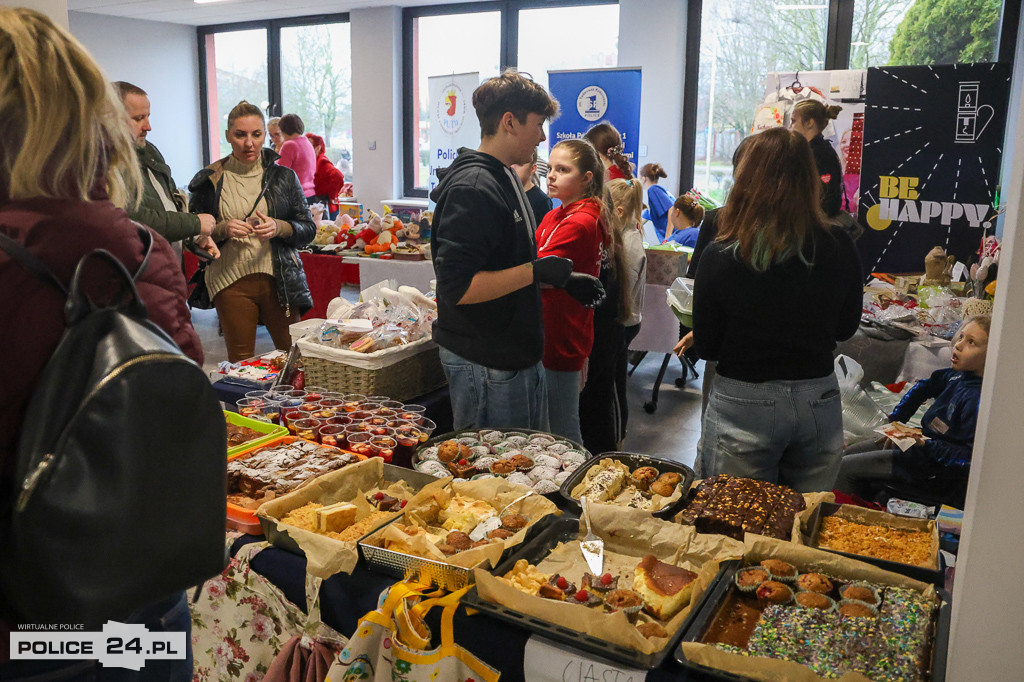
point(437, 524)
point(841, 616)
point(325, 519)
point(651, 568)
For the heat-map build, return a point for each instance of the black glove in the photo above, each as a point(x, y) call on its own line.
point(586, 289)
point(552, 270)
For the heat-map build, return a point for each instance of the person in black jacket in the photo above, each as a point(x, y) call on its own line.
point(489, 323)
point(262, 218)
point(809, 118)
point(772, 295)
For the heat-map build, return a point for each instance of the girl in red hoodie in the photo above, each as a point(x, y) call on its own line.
point(571, 231)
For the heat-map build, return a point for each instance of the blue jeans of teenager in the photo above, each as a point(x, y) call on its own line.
point(496, 398)
point(788, 432)
point(564, 404)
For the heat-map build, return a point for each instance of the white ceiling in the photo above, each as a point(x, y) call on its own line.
point(230, 11)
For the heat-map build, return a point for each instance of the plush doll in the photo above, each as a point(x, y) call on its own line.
point(410, 233)
point(386, 239)
point(366, 234)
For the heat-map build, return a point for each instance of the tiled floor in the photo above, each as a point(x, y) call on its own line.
point(671, 432)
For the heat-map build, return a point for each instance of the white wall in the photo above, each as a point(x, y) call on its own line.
point(163, 60)
point(651, 35)
point(57, 10)
point(987, 627)
point(377, 104)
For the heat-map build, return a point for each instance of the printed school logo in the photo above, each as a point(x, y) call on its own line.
point(451, 109)
point(592, 103)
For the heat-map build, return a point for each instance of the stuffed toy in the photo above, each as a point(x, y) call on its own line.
point(387, 238)
point(367, 233)
point(410, 233)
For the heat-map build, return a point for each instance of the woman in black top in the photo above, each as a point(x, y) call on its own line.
point(809, 118)
point(772, 295)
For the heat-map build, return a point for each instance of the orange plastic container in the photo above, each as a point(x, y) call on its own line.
point(242, 519)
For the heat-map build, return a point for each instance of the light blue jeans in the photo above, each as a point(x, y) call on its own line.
point(483, 397)
point(788, 432)
point(564, 404)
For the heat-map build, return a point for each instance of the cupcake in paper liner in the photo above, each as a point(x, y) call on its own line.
point(522, 462)
point(861, 592)
point(572, 457)
point(539, 473)
point(468, 441)
point(814, 600)
point(814, 582)
point(627, 601)
point(532, 449)
point(510, 452)
point(547, 461)
point(434, 468)
point(493, 437)
point(569, 467)
point(503, 446)
point(748, 579)
point(428, 453)
point(782, 571)
point(479, 451)
point(541, 439)
point(502, 468)
point(519, 478)
point(773, 592)
point(561, 476)
point(480, 477)
point(545, 486)
point(560, 447)
point(516, 439)
point(483, 464)
point(854, 608)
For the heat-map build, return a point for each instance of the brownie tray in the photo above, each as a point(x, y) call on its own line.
point(633, 461)
point(934, 576)
point(711, 603)
point(565, 529)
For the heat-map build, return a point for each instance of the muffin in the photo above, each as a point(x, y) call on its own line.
point(749, 579)
point(500, 534)
point(447, 549)
point(484, 463)
point(513, 522)
point(547, 461)
point(458, 540)
point(448, 451)
point(651, 630)
point(814, 582)
point(561, 476)
point(780, 570)
point(666, 484)
point(643, 477)
point(774, 592)
point(521, 462)
point(814, 600)
point(860, 593)
point(479, 451)
point(857, 609)
point(627, 601)
point(502, 467)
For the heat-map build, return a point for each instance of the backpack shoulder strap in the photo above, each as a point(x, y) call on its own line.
point(33, 263)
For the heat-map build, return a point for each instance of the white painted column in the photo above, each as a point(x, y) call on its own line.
point(377, 104)
point(652, 35)
point(987, 638)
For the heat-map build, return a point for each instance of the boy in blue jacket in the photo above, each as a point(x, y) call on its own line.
point(941, 463)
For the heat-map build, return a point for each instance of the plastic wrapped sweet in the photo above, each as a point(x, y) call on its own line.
point(545, 486)
point(519, 478)
point(561, 476)
point(541, 473)
point(547, 461)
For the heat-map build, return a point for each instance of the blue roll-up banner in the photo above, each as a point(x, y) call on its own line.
point(591, 96)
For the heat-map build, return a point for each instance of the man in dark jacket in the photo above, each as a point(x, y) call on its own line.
point(485, 258)
point(157, 209)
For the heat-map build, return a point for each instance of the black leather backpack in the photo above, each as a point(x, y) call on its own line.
point(120, 467)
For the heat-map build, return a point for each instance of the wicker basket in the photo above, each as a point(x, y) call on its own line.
point(410, 377)
point(976, 306)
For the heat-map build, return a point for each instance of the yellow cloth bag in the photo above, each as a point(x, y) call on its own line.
point(390, 643)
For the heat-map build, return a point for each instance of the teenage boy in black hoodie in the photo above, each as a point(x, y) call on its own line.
point(485, 259)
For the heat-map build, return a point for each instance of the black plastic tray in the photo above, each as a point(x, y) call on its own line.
point(564, 529)
point(633, 461)
point(707, 610)
point(935, 576)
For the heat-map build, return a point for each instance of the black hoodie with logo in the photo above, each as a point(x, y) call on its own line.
point(483, 222)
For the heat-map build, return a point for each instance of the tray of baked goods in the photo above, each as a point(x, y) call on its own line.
point(443, 534)
point(625, 479)
point(632, 610)
point(533, 459)
point(733, 506)
point(895, 543)
point(324, 519)
point(245, 433)
point(264, 472)
point(791, 612)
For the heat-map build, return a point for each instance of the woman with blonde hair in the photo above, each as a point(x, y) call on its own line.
point(603, 409)
point(772, 295)
point(67, 170)
point(262, 219)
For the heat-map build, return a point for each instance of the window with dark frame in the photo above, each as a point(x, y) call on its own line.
point(259, 61)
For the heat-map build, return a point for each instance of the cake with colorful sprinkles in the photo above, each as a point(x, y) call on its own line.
point(891, 644)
